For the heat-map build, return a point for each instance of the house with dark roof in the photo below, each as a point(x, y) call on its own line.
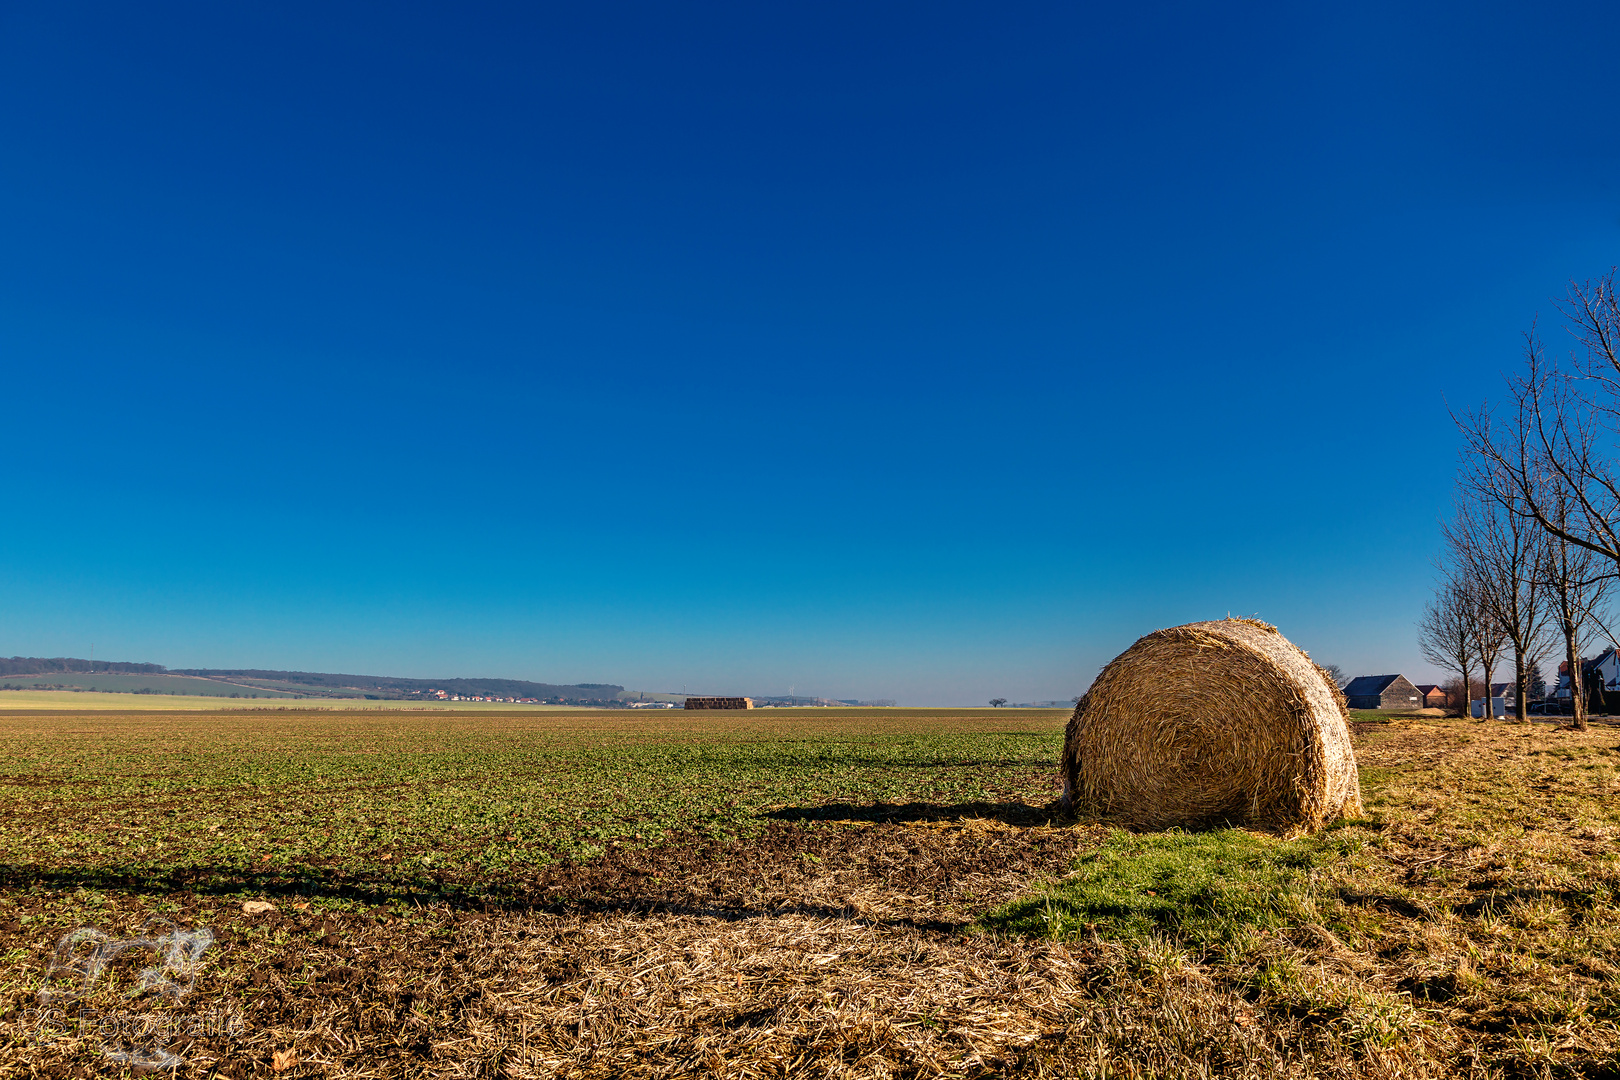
point(1382, 692)
point(1601, 672)
point(1600, 681)
point(1434, 696)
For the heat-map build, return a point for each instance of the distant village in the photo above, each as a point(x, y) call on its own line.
point(445, 695)
point(1600, 680)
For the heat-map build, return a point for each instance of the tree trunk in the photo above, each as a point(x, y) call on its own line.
point(1577, 686)
point(1486, 712)
point(1521, 686)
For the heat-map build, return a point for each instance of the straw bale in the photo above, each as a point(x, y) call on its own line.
point(1223, 722)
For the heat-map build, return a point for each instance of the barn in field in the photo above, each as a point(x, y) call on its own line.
point(719, 703)
point(1382, 692)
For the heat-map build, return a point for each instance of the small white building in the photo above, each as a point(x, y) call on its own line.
point(1504, 700)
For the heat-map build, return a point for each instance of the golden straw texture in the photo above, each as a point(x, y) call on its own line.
point(1211, 723)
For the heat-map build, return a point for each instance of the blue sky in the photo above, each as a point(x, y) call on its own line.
point(923, 351)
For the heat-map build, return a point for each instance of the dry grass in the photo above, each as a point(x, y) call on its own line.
point(1468, 926)
point(1223, 722)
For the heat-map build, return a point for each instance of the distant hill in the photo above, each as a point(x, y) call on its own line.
point(73, 673)
point(36, 665)
point(390, 688)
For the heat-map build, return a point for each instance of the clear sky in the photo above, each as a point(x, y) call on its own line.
point(927, 351)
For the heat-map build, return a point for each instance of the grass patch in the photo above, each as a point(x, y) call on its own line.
point(1202, 890)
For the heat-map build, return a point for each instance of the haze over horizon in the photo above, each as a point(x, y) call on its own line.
point(929, 353)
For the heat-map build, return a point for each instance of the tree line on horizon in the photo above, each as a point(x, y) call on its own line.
point(1533, 545)
point(38, 665)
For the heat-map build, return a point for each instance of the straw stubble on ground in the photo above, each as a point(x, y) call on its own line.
point(834, 950)
point(860, 917)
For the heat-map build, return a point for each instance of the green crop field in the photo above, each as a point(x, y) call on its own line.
point(112, 682)
point(456, 802)
point(528, 893)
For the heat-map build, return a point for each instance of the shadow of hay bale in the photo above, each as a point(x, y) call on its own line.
point(899, 813)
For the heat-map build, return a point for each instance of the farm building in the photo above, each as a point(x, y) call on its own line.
point(1382, 692)
point(719, 703)
point(1434, 696)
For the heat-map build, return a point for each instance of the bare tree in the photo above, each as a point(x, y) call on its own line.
point(1499, 546)
point(1489, 641)
point(1560, 453)
point(1336, 673)
point(1446, 632)
point(1559, 456)
point(1576, 584)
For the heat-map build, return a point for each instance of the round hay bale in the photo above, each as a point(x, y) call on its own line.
point(1224, 722)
